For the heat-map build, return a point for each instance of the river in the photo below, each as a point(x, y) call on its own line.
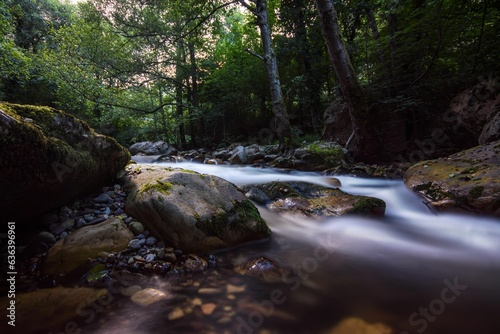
point(413, 270)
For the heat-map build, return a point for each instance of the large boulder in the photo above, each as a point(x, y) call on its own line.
point(49, 158)
point(311, 200)
point(467, 180)
point(69, 253)
point(194, 212)
point(150, 148)
point(478, 110)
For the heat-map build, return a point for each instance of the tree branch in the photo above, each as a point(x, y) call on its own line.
point(255, 54)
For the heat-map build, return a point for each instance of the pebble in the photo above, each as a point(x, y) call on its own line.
point(176, 313)
point(230, 289)
point(135, 244)
point(208, 309)
point(209, 291)
point(170, 257)
point(150, 258)
point(96, 221)
point(196, 302)
point(140, 236)
point(88, 218)
point(151, 241)
point(136, 227)
point(104, 198)
point(63, 235)
point(148, 296)
point(195, 263)
point(46, 237)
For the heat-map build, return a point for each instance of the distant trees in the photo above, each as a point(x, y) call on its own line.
point(182, 71)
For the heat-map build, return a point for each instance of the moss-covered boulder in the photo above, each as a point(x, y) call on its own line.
point(49, 158)
point(468, 180)
point(194, 212)
point(86, 243)
point(311, 200)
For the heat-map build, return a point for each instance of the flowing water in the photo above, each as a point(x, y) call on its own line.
point(413, 269)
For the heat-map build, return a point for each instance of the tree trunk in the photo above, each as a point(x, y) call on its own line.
point(178, 94)
point(363, 144)
point(281, 122)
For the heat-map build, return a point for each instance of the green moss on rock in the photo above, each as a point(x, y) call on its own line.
point(162, 187)
point(368, 205)
point(239, 217)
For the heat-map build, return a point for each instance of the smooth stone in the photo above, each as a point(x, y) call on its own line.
point(104, 198)
point(148, 296)
point(135, 244)
point(195, 263)
point(69, 253)
point(136, 227)
point(230, 289)
point(176, 313)
point(208, 309)
point(151, 241)
point(150, 258)
point(46, 237)
point(209, 291)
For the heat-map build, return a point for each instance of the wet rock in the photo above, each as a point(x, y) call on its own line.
point(48, 309)
point(69, 253)
point(238, 156)
point(150, 148)
point(264, 269)
point(468, 180)
point(176, 313)
point(148, 296)
point(136, 227)
point(359, 326)
point(478, 107)
point(195, 263)
point(191, 211)
point(312, 200)
point(46, 238)
point(208, 309)
point(51, 160)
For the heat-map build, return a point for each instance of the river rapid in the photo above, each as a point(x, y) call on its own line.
point(413, 270)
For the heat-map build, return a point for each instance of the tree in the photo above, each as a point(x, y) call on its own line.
point(281, 122)
point(364, 143)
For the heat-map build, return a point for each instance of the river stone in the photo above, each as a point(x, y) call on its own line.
point(195, 263)
point(468, 180)
point(50, 160)
point(148, 296)
point(191, 211)
point(311, 200)
point(359, 326)
point(264, 269)
point(69, 253)
point(47, 310)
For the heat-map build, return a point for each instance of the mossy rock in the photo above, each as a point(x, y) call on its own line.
point(194, 212)
point(312, 200)
point(468, 180)
point(86, 243)
point(50, 158)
